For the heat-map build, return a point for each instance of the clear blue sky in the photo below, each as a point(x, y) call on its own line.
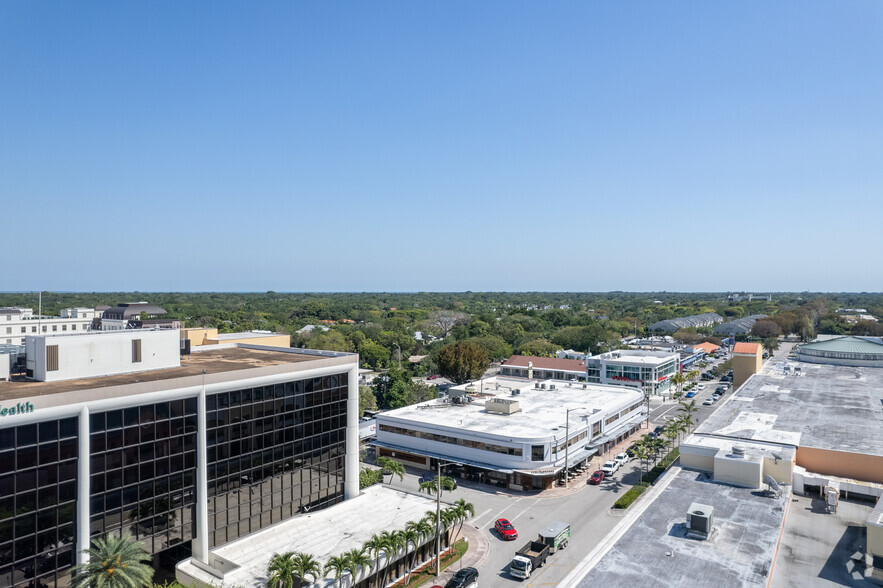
point(403, 146)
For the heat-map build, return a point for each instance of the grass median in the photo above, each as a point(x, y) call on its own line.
point(647, 480)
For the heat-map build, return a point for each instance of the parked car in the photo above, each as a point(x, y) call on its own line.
point(708, 402)
point(631, 450)
point(690, 394)
point(597, 477)
point(715, 396)
point(505, 529)
point(720, 390)
point(622, 458)
point(433, 377)
point(609, 468)
point(657, 431)
point(429, 477)
point(465, 578)
point(700, 387)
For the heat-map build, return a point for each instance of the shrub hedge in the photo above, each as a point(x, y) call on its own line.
point(632, 494)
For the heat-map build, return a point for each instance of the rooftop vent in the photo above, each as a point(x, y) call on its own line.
point(551, 386)
point(542, 386)
point(536, 385)
point(585, 386)
point(700, 520)
point(738, 451)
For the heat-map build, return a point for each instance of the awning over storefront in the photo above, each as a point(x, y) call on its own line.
point(541, 472)
point(447, 458)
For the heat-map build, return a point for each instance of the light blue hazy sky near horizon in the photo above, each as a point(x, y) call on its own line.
point(441, 146)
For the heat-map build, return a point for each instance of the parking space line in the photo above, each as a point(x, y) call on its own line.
point(500, 514)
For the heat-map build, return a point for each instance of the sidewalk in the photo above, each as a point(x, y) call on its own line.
point(474, 557)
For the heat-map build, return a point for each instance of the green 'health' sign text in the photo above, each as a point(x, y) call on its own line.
point(19, 408)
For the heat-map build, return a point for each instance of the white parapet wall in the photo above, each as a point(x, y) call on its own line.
point(53, 358)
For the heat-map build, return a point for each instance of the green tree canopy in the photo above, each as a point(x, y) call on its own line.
point(538, 347)
point(462, 361)
point(593, 338)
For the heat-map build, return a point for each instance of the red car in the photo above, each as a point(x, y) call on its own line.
point(432, 377)
point(597, 477)
point(505, 529)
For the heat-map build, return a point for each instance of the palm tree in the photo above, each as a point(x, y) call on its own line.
point(424, 527)
point(114, 562)
point(641, 452)
point(391, 467)
point(464, 510)
point(687, 409)
point(670, 432)
point(770, 344)
point(693, 375)
point(411, 537)
point(306, 565)
point(338, 565)
point(392, 543)
point(447, 483)
point(375, 545)
point(281, 571)
point(357, 558)
point(678, 380)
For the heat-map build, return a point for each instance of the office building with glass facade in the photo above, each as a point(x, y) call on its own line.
point(649, 371)
point(184, 459)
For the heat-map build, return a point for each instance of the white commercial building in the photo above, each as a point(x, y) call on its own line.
point(69, 356)
point(17, 323)
point(650, 371)
point(509, 432)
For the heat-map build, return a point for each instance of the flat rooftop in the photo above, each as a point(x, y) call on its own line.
point(219, 364)
point(817, 546)
point(655, 551)
point(246, 335)
point(325, 533)
point(649, 358)
point(820, 406)
point(541, 410)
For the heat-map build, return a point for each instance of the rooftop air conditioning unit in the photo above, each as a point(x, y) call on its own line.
point(542, 386)
point(551, 386)
point(700, 519)
point(585, 386)
point(536, 385)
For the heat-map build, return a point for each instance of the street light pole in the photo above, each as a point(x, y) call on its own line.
point(567, 449)
point(438, 485)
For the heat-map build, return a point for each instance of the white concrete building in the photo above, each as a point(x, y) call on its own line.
point(649, 371)
point(17, 323)
point(509, 432)
point(69, 356)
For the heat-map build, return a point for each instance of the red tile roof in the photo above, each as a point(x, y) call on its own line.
point(708, 347)
point(547, 363)
point(752, 348)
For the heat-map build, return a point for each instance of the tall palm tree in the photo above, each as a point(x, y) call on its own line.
point(306, 565)
point(678, 380)
point(391, 467)
point(114, 562)
point(641, 452)
point(670, 432)
point(375, 545)
point(411, 537)
point(281, 571)
point(687, 409)
point(338, 565)
point(392, 545)
point(357, 558)
point(424, 528)
point(464, 511)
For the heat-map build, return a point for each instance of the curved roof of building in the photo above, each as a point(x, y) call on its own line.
point(848, 344)
point(738, 326)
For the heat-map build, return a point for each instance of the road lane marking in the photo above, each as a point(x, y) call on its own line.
point(478, 516)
